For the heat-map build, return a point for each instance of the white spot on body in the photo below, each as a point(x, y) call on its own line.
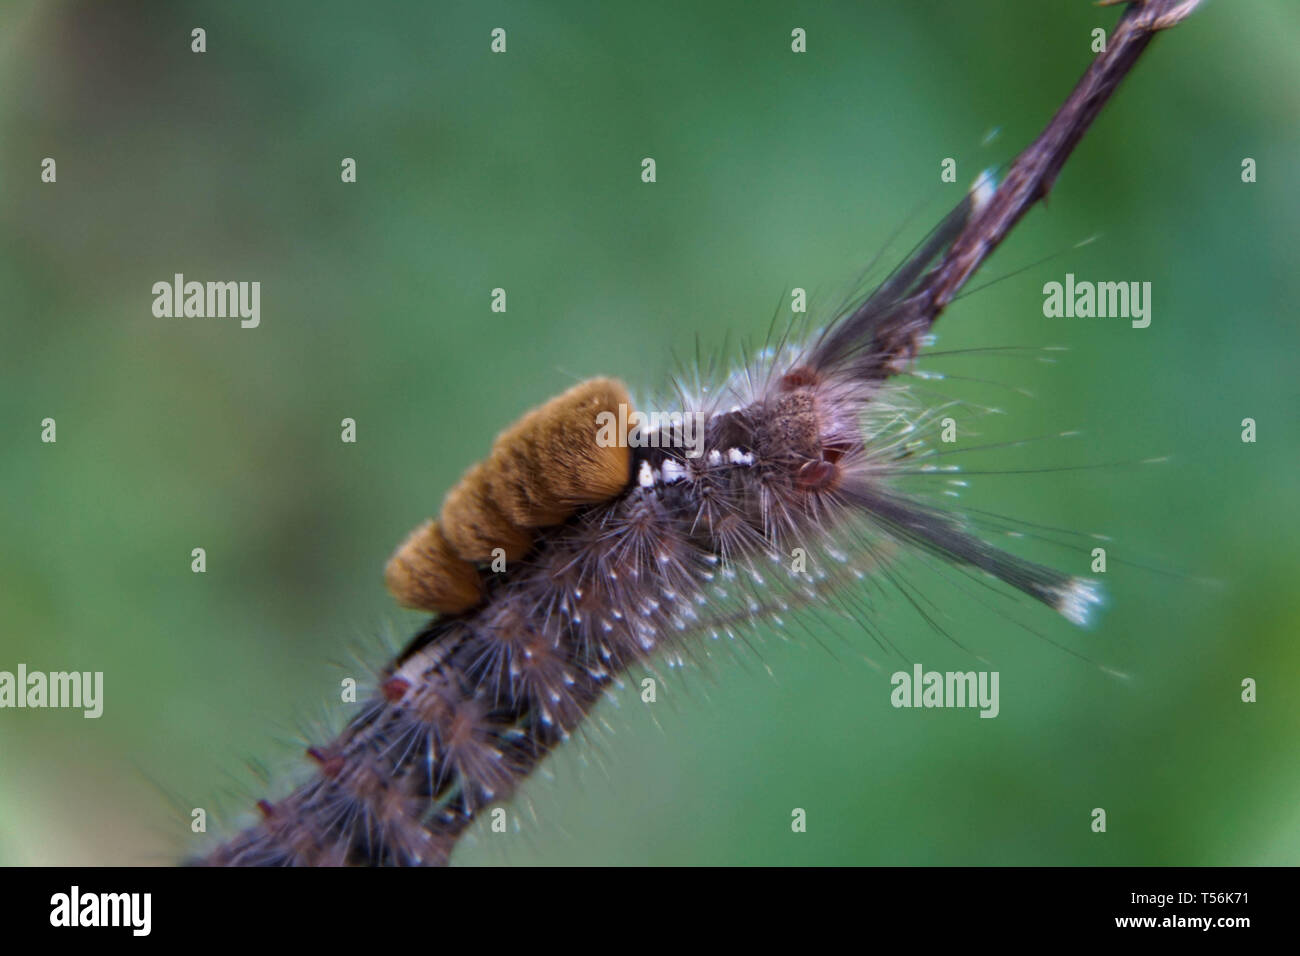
point(985, 186)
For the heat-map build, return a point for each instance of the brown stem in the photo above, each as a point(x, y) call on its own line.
point(1030, 177)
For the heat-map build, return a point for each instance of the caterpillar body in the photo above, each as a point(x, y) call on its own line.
point(616, 556)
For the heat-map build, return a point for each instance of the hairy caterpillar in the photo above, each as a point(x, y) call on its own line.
point(798, 451)
point(614, 556)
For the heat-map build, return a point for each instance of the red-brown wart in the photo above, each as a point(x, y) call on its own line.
point(330, 764)
point(394, 688)
point(817, 475)
point(801, 376)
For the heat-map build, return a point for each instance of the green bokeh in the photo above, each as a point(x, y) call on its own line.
point(522, 171)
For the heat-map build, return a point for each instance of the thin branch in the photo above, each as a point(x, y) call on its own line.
point(1029, 179)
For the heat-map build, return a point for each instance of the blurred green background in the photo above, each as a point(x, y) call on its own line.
point(522, 171)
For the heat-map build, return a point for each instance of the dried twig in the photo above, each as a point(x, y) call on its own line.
point(1029, 179)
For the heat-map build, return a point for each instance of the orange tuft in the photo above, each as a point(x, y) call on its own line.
point(475, 525)
point(548, 464)
point(426, 573)
point(541, 470)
